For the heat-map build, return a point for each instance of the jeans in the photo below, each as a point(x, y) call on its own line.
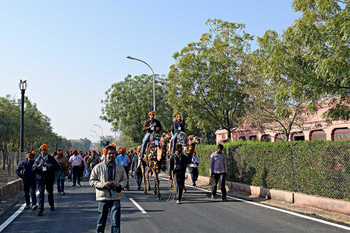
point(194, 174)
point(138, 178)
point(29, 188)
point(215, 181)
point(60, 185)
point(174, 141)
point(49, 190)
point(145, 141)
point(76, 174)
point(179, 179)
point(112, 206)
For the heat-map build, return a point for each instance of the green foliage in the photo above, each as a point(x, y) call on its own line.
point(206, 80)
point(319, 168)
point(128, 102)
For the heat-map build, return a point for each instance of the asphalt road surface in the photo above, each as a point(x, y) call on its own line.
point(77, 212)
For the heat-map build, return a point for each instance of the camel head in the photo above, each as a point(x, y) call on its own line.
point(193, 140)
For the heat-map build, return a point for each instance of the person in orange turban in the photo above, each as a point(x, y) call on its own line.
point(150, 126)
point(179, 126)
point(25, 171)
point(43, 146)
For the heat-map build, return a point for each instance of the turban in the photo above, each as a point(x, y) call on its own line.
point(110, 146)
point(138, 148)
point(67, 152)
point(178, 116)
point(195, 151)
point(30, 153)
point(94, 151)
point(59, 151)
point(152, 112)
point(43, 146)
point(123, 149)
point(104, 152)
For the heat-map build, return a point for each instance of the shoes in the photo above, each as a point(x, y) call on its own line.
point(62, 193)
point(73, 185)
point(194, 185)
point(27, 206)
point(138, 188)
point(178, 202)
point(52, 208)
point(34, 207)
point(127, 189)
point(79, 185)
point(224, 199)
point(40, 213)
point(213, 197)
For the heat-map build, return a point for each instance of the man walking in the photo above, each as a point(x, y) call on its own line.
point(178, 162)
point(45, 166)
point(193, 168)
point(26, 173)
point(75, 161)
point(124, 160)
point(92, 161)
point(63, 170)
point(218, 171)
point(136, 168)
point(108, 178)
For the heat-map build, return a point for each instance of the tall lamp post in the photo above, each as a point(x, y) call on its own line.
point(22, 87)
point(154, 92)
point(100, 127)
point(95, 133)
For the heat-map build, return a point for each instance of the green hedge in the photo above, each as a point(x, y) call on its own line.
point(313, 167)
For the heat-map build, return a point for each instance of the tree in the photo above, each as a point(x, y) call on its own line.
point(317, 49)
point(206, 80)
point(128, 102)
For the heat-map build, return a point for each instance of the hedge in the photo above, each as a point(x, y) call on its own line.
point(319, 168)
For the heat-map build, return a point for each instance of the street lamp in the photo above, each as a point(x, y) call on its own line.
point(95, 133)
point(154, 92)
point(22, 87)
point(100, 127)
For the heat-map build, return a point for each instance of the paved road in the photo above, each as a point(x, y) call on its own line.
point(77, 212)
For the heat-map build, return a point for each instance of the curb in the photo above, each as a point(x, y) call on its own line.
point(10, 188)
point(301, 199)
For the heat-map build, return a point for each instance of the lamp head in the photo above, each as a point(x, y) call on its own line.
point(23, 85)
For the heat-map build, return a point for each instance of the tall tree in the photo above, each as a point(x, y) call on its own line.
point(128, 102)
point(206, 80)
point(316, 51)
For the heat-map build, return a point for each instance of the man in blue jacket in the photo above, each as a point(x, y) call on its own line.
point(25, 171)
point(45, 166)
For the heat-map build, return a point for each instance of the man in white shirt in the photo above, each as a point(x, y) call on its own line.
point(76, 160)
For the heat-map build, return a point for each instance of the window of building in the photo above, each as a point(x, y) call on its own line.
point(318, 135)
point(298, 136)
point(266, 138)
point(242, 138)
point(341, 134)
point(280, 137)
point(253, 138)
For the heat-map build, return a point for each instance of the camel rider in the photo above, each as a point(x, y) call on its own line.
point(150, 126)
point(179, 125)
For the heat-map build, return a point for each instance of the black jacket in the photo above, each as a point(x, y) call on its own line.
point(48, 176)
point(178, 125)
point(25, 171)
point(178, 163)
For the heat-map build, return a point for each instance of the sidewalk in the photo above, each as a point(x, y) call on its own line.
point(314, 212)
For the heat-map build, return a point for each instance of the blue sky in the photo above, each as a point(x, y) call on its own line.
point(70, 52)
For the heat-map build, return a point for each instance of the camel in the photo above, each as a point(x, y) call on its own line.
point(154, 161)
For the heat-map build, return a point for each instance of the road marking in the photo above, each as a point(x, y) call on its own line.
point(15, 215)
point(276, 209)
point(138, 206)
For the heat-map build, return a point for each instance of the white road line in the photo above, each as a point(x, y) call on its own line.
point(277, 209)
point(11, 218)
point(138, 206)
point(15, 215)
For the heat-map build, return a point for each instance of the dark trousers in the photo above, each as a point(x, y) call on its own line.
point(214, 183)
point(127, 175)
point(29, 187)
point(194, 174)
point(138, 178)
point(104, 207)
point(76, 174)
point(60, 185)
point(49, 190)
point(179, 179)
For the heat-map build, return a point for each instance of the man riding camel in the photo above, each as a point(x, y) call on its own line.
point(179, 125)
point(150, 126)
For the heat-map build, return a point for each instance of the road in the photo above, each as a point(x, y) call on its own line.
point(77, 212)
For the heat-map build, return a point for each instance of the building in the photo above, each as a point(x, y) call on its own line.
point(315, 128)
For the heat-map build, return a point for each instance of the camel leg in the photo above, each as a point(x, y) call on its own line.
point(159, 196)
point(143, 178)
point(147, 178)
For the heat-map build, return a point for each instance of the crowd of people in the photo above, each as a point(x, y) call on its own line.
point(108, 171)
